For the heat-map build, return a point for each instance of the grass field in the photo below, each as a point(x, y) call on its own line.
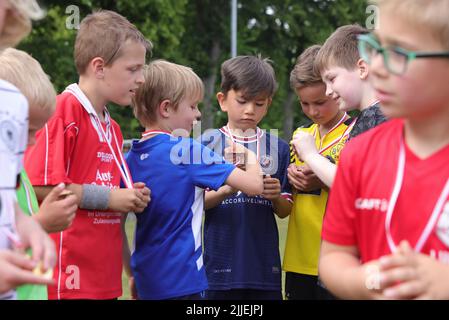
point(130, 224)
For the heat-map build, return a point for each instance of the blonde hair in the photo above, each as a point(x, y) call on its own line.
point(304, 74)
point(17, 24)
point(340, 49)
point(23, 71)
point(103, 34)
point(433, 14)
point(165, 81)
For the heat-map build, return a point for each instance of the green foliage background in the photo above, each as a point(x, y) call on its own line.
point(196, 33)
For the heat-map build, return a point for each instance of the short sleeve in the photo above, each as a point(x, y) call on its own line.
point(47, 161)
point(339, 220)
point(207, 169)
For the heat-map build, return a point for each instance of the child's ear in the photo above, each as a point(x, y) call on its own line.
point(164, 108)
point(363, 69)
point(97, 64)
point(221, 97)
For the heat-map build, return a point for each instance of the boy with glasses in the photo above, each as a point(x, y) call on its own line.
point(385, 233)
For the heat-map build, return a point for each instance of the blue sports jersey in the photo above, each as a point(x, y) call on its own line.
point(167, 261)
point(241, 241)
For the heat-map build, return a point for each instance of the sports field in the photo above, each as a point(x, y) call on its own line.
point(282, 226)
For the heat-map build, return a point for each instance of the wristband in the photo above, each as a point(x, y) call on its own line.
point(95, 197)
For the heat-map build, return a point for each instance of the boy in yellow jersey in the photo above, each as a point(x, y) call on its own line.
point(347, 77)
point(330, 130)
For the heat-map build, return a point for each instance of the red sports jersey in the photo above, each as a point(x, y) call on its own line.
point(359, 200)
point(70, 149)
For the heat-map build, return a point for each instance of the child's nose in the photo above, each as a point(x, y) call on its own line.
point(329, 90)
point(249, 108)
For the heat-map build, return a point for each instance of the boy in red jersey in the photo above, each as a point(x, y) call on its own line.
point(81, 146)
point(385, 233)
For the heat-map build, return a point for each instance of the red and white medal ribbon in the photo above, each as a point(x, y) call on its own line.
point(119, 160)
point(322, 149)
point(154, 132)
point(394, 197)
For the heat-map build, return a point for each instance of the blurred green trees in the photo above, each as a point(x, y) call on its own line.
point(196, 33)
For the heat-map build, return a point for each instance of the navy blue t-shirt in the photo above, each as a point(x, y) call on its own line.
point(241, 241)
point(167, 261)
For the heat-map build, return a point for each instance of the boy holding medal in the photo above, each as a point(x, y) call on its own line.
point(168, 261)
point(241, 241)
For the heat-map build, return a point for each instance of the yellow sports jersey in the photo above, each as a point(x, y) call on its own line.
point(304, 228)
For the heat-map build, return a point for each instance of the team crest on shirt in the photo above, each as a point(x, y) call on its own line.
point(442, 229)
point(8, 134)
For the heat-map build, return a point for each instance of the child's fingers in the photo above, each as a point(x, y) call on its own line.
point(406, 290)
point(55, 192)
point(393, 276)
point(139, 185)
point(49, 259)
point(20, 260)
point(27, 277)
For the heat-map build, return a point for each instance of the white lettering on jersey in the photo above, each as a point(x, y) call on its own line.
point(73, 280)
point(143, 156)
point(442, 229)
point(105, 157)
point(104, 176)
point(371, 204)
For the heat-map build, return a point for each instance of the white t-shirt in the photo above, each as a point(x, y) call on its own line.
point(13, 142)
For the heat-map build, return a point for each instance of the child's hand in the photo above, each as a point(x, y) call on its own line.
point(57, 212)
point(235, 153)
point(16, 269)
point(304, 144)
point(130, 200)
point(407, 274)
point(34, 237)
point(293, 175)
point(302, 178)
point(271, 188)
point(145, 194)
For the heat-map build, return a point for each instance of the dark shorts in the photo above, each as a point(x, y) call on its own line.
point(305, 287)
point(243, 294)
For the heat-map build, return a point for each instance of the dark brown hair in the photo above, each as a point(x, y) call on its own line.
point(252, 75)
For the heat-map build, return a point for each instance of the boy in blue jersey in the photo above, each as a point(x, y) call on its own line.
point(240, 233)
point(167, 262)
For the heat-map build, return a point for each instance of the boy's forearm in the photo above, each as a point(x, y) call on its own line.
point(322, 167)
point(346, 278)
point(43, 191)
point(282, 207)
point(254, 170)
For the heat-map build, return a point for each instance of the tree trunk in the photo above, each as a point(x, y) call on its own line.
point(288, 115)
point(207, 119)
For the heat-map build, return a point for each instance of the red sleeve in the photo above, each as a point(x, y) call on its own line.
point(339, 224)
point(47, 161)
